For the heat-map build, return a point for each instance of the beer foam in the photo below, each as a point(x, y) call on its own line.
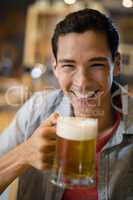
point(73, 128)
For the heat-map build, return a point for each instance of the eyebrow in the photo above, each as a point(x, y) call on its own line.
point(66, 61)
point(100, 58)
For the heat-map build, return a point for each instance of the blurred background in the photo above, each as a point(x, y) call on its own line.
point(26, 27)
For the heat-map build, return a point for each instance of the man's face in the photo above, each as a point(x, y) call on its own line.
point(84, 69)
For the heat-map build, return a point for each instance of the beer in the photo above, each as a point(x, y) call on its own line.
point(76, 146)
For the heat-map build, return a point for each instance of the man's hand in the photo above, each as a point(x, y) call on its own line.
point(39, 149)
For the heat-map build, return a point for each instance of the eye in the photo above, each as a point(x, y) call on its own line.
point(68, 65)
point(67, 68)
point(97, 65)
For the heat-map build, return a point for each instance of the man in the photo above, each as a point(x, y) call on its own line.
point(85, 47)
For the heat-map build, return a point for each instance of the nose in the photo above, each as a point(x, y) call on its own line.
point(83, 79)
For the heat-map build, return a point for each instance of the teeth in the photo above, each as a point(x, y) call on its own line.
point(86, 95)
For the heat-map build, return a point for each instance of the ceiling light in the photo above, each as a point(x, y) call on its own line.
point(127, 3)
point(70, 2)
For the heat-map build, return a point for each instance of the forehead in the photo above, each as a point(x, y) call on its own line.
point(84, 44)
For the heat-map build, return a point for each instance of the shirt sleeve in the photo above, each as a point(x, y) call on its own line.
point(27, 119)
point(17, 130)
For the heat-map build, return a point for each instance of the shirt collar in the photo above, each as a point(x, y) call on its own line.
point(64, 108)
point(106, 135)
point(116, 138)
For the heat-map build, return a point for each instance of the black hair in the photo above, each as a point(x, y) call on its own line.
point(84, 20)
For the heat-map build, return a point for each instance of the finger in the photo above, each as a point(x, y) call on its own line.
point(52, 120)
point(49, 147)
point(47, 166)
point(48, 132)
point(48, 158)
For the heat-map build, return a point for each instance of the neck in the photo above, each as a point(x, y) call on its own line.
point(107, 120)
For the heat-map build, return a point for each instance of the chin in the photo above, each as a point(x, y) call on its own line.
point(88, 113)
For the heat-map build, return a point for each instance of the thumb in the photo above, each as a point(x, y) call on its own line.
point(51, 120)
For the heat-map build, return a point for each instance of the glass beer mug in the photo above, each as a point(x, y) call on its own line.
point(75, 153)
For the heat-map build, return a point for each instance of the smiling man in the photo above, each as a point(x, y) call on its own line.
point(84, 68)
point(86, 60)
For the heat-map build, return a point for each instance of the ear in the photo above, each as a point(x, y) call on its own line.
point(54, 66)
point(117, 64)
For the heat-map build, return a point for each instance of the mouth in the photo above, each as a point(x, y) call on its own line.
point(88, 103)
point(86, 96)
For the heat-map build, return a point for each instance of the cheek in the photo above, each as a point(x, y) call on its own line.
point(103, 78)
point(64, 81)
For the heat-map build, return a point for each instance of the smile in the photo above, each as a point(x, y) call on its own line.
point(86, 96)
point(87, 99)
